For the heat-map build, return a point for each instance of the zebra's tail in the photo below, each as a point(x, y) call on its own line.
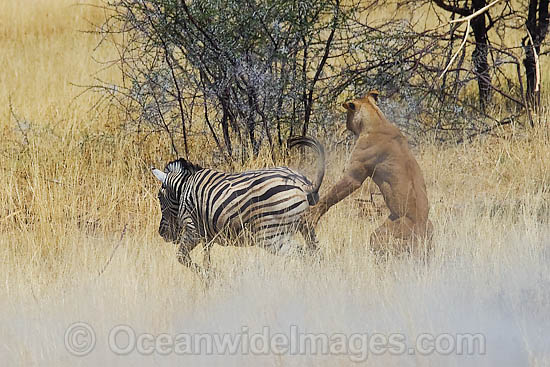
point(294, 141)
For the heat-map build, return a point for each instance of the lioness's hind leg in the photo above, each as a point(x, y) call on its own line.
point(429, 231)
point(398, 232)
point(423, 240)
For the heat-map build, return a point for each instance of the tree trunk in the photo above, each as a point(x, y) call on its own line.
point(225, 130)
point(226, 119)
point(538, 29)
point(481, 51)
point(479, 56)
point(255, 145)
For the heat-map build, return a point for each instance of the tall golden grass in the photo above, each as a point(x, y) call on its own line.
point(72, 190)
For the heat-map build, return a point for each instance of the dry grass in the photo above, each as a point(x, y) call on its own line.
point(68, 187)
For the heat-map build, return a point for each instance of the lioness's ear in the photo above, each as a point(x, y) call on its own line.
point(374, 94)
point(161, 176)
point(349, 106)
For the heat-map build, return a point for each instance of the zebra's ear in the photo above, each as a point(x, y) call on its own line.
point(161, 176)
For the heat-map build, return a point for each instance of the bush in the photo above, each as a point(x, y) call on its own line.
point(260, 70)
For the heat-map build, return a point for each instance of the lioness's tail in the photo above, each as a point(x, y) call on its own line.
point(313, 196)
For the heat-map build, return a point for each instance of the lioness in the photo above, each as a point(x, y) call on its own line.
point(382, 153)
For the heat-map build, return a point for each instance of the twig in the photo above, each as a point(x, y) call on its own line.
point(20, 125)
point(469, 138)
point(457, 51)
point(473, 15)
point(537, 65)
point(467, 19)
point(10, 215)
point(34, 295)
point(113, 252)
point(54, 180)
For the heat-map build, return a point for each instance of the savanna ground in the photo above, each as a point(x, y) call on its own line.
point(72, 189)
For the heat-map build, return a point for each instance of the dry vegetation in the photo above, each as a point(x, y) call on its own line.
point(69, 186)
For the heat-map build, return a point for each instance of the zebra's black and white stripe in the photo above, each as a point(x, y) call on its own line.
point(201, 204)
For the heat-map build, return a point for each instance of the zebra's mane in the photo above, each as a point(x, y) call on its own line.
point(181, 165)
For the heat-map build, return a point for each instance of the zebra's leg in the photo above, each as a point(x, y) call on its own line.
point(190, 239)
point(184, 258)
point(207, 261)
point(283, 244)
point(271, 245)
point(278, 244)
point(312, 244)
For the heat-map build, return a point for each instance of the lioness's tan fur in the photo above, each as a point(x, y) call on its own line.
point(382, 153)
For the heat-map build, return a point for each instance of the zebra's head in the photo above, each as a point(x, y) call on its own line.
point(173, 179)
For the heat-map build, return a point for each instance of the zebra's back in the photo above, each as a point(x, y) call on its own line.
point(267, 202)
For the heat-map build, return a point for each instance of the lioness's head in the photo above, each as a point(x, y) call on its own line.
point(363, 114)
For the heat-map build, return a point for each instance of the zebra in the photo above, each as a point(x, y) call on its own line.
point(202, 204)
